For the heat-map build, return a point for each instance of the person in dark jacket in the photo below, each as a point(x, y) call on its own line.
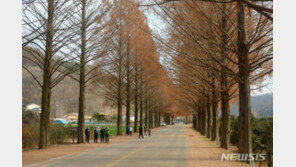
point(87, 135)
point(149, 132)
point(127, 130)
point(102, 135)
point(141, 132)
point(107, 134)
point(96, 134)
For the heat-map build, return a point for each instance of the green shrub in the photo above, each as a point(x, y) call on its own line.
point(59, 134)
point(234, 130)
point(262, 135)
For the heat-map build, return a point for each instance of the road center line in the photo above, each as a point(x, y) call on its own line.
point(128, 155)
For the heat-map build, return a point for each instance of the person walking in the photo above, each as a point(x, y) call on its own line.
point(131, 131)
point(98, 129)
point(141, 132)
point(102, 134)
point(145, 130)
point(96, 134)
point(149, 132)
point(87, 135)
point(127, 130)
point(107, 134)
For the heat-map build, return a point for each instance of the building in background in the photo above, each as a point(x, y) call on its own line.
point(73, 118)
point(34, 108)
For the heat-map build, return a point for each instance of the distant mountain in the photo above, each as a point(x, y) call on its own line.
point(262, 106)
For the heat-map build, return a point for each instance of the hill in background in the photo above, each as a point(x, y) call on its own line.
point(262, 106)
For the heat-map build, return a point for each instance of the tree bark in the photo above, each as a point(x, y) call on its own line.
point(136, 99)
point(155, 118)
point(141, 100)
point(209, 119)
point(81, 111)
point(245, 135)
point(199, 122)
point(204, 123)
point(215, 123)
point(119, 97)
point(45, 97)
point(194, 121)
point(159, 119)
point(215, 129)
point(128, 95)
point(151, 118)
point(225, 127)
point(146, 106)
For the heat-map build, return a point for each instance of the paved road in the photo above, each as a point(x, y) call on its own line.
point(165, 148)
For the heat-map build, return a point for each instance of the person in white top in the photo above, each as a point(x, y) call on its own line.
point(98, 129)
point(131, 130)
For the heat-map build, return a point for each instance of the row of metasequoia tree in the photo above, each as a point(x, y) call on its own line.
point(218, 51)
point(102, 43)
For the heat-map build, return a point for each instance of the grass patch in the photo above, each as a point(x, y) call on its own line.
point(112, 128)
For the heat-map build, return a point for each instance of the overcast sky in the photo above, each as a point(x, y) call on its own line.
point(158, 26)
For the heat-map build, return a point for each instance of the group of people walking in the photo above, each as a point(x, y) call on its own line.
point(104, 134)
point(145, 131)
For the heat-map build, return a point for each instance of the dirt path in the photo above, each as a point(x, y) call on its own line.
point(204, 153)
point(67, 151)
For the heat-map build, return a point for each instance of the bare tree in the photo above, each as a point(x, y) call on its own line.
point(89, 47)
point(45, 35)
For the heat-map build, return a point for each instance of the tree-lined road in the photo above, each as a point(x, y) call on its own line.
point(165, 148)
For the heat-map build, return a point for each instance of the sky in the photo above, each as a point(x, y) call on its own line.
point(157, 26)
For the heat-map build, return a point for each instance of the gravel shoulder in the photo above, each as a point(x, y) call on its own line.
point(204, 153)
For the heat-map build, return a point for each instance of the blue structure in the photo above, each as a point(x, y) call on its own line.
point(61, 121)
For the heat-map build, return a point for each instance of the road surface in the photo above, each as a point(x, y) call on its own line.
point(165, 148)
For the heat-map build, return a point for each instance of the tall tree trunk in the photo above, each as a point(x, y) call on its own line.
point(136, 100)
point(209, 119)
point(215, 129)
point(146, 105)
point(141, 100)
point(119, 114)
point(199, 122)
point(128, 92)
point(45, 97)
point(205, 126)
point(155, 118)
point(269, 159)
point(48, 116)
point(225, 127)
point(119, 97)
point(215, 123)
point(245, 135)
point(151, 118)
point(194, 121)
point(167, 119)
point(204, 122)
point(81, 111)
point(159, 119)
